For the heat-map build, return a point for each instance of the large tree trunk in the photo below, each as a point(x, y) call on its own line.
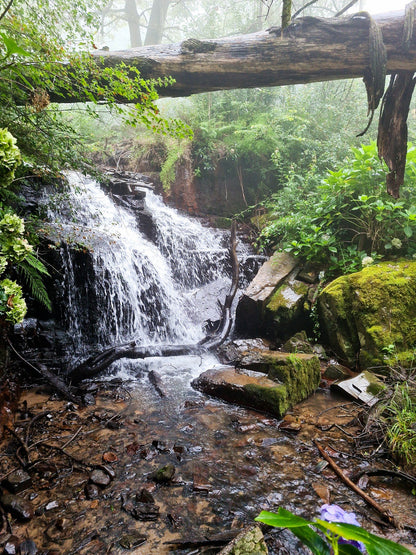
point(133, 21)
point(311, 49)
point(157, 22)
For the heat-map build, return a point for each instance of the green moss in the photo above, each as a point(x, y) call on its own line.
point(300, 375)
point(366, 312)
point(272, 399)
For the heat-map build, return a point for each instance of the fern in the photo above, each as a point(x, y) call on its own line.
point(36, 264)
point(31, 269)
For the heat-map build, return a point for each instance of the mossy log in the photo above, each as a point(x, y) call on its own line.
point(310, 49)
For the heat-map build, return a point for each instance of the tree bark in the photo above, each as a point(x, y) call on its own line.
point(311, 49)
point(154, 33)
point(133, 21)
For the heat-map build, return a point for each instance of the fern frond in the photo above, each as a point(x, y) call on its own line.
point(35, 263)
point(31, 275)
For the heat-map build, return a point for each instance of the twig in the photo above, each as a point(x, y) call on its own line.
point(300, 10)
point(337, 407)
point(6, 9)
point(345, 8)
point(44, 413)
point(22, 443)
point(386, 515)
point(72, 438)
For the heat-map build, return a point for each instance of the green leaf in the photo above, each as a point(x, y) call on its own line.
point(311, 539)
point(282, 519)
point(12, 47)
point(348, 549)
point(374, 544)
point(408, 231)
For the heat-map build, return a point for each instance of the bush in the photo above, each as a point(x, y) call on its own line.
point(9, 157)
point(347, 218)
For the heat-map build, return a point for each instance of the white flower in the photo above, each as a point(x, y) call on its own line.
point(367, 261)
point(396, 243)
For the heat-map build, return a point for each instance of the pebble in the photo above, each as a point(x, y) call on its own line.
point(100, 478)
point(18, 481)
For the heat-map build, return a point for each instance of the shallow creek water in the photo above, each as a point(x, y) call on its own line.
point(230, 464)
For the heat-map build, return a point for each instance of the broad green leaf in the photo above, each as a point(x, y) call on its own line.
point(374, 544)
point(12, 47)
point(282, 519)
point(408, 231)
point(311, 539)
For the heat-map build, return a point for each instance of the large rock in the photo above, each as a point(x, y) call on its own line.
point(369, 318)
point(268, 381)
point(252, 305)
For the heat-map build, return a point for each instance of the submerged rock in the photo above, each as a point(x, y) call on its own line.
point(368, 318)
point(164, 474)
point(290, 379)
point(17, 506)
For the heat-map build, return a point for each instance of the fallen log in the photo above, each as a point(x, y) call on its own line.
point(310, 49)
point(99, 362)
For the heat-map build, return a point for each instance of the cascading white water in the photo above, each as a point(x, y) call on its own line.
point(132, 288)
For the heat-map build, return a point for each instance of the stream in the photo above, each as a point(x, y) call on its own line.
point(159, 286)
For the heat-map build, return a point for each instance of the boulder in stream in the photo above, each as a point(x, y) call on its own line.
point(268, 381)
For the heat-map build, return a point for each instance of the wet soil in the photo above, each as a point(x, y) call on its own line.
point(230, 464)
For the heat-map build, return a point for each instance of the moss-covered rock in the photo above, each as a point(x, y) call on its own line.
point(369, 318)
point(249, 542)
point(290, 379)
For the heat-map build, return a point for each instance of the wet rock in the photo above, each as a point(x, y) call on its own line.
point(28, 547)
point(252, 305)
point(160, 446)
point(110, 457)
point(11, 546)
point(335, 371)
point(89, 399)
point(298, 343)
point(17, 506)
point(132, 540)
point(52, 505)
point(290, 379)
point(163, 475)
point(107, 469)
point(18, 481)
point(233, 350)
point(139, 508)
point(248, 542)
point(100, 478)
point(287, 309)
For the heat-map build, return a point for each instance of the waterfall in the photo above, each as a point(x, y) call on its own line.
point(118, 285)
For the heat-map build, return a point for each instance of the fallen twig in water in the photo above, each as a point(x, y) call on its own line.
point(386, 515)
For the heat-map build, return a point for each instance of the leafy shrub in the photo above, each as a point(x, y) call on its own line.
point(348, 217)
point(12, 305)
point(9, 157)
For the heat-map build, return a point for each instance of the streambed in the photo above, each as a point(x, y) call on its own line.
point(230, 463)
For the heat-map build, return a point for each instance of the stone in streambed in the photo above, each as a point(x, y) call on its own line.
point(17, 506)
point(100, 478)
point(249, 542)
point(132, 540)
point(164, 474)
point(18, 481)
point(290, 379)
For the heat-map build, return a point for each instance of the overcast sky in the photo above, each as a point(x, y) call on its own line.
point(377, 6)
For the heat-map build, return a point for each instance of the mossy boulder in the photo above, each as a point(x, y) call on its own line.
point(369, 317)
point(290, 379)
point(286, 311)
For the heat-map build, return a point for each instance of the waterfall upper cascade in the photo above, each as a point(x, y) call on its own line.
point(118, 285)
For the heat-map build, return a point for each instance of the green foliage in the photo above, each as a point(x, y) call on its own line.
point(167, 173)
point(9, 157)
point(12, 305)
point(400, 418)
point(348, 220)
point(332, 532)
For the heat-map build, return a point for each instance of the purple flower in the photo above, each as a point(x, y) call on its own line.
point(334, 513)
